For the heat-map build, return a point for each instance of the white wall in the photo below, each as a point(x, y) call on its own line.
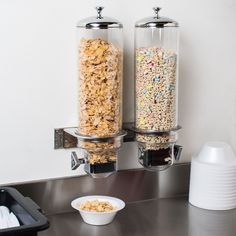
point(38, 77)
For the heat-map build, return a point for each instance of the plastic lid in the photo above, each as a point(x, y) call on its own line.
point(156, 21)
point(99, 21)
point(218, 153)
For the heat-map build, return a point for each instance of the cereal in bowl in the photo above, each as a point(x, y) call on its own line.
point(97, 206)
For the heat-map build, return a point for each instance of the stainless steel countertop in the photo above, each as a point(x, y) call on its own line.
point(54, 196)
point(162, 217)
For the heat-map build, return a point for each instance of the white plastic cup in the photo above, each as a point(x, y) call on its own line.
point(213, 177)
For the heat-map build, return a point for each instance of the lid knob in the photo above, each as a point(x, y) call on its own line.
point(99, 12)
point(156, 10)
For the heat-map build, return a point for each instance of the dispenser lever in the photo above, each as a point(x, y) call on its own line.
point(177, 151)
point(75, 161)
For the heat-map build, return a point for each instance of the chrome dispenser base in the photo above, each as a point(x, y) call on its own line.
point(69, 138)
point(158, 160)
point(100, 170)
point(98, 154)
point(157, 149)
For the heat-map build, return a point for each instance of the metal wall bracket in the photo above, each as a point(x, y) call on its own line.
point(63, 138)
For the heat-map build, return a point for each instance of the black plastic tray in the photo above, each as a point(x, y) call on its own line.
point(28, 213)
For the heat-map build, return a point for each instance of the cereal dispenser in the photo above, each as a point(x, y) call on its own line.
point(156, 90)
point(100, 59)
point(99, 134)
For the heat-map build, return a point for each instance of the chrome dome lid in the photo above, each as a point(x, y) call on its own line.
point(156, 21)
point(99, 21)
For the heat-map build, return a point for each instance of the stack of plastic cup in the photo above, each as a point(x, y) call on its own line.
point(213, 177)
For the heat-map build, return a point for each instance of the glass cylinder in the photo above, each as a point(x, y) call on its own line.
point(156, 90)
point(100, 75)
point(156, 74)
point(100, 59)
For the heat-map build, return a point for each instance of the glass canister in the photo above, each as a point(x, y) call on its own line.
point(156, 83)
point(100, 75)
point(100, 59)
point(156, 86)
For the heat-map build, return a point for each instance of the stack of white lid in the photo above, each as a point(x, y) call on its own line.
point(213, 177)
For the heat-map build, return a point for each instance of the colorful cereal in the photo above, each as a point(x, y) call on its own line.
point(155, 89)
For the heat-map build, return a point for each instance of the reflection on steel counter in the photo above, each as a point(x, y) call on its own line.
point(163, 217)
point(128, 185)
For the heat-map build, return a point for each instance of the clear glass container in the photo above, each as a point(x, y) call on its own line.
point(100, 61)
point(156, 89)
point(100, 75)
point(156, 73)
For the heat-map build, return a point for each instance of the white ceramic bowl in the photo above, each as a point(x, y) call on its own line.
point(98, 218)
